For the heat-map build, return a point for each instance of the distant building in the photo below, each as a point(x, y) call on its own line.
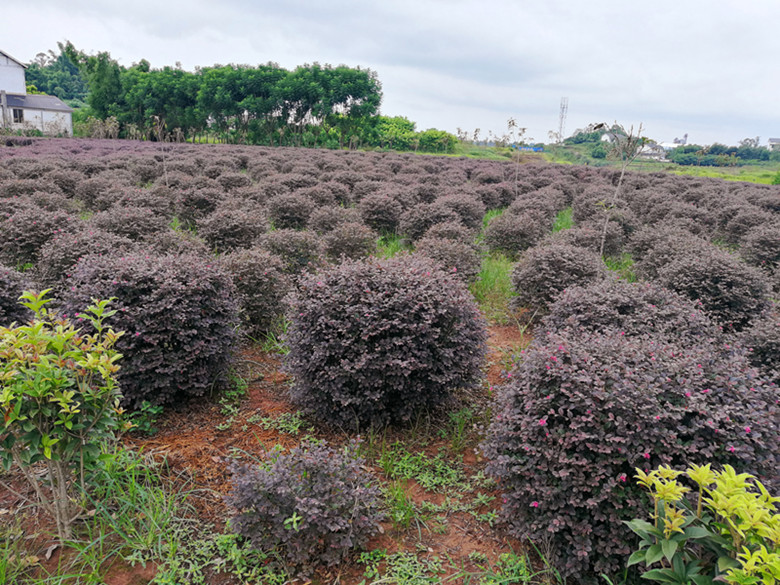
point(20, 111)
point(774, 144)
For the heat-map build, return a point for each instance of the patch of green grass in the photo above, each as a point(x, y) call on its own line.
point(403, 568)
point(441, 472)
point(457, 430)
point(287, 422)
point(390, 245)
point(623, 265)
point(274, 338)
point(490, 215)
point(493, 287)
point(564, 220)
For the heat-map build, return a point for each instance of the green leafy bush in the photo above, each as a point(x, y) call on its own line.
point(179, 315)
point(371, 341)
point(60, 400)
point(729, 532)
point(582, 410)
point(314, 503)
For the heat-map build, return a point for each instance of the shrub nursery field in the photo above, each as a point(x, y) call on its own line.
point(229, 364)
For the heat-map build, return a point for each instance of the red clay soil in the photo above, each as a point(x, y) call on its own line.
point(197, 452)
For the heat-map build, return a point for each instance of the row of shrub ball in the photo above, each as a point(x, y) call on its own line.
point(200, 244)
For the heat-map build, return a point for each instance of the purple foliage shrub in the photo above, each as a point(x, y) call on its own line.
point(763, 342)
point(300, 250)
point(582, 410)
point(134, 223)
point(262, 284)
point(289, 211)
point(326, 219)
point(337, 501)
point(12, 285)
point(731, 292)
point(179, 315)
point(635, 309)
point(350, 240)
point(761, 247)
point(24, 233)
point(358, 352)
point(380, 212)
point(419, 219)
point(60, 254)
point(543, 272)
point(455, 256)
point(232, 227)
point(511, 234)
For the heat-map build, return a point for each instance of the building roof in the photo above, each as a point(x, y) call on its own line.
point(14, 59)
point(774, 141)
point(38, 102)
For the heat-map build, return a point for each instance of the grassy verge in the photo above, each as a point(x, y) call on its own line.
point(493, 288)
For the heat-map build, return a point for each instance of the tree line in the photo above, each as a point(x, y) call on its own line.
point(312, 105)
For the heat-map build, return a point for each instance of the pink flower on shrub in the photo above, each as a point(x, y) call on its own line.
point(534, 504)
point(687, 394)
point(747, 429)
point(553, 358)
point(542, 422)
point(622, 477)
point(646, 455)
point(731, 449)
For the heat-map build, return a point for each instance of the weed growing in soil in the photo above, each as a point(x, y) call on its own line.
point(493, 288)
point(622, 266)
point(564, 220)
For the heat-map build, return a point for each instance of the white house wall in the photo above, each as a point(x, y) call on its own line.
point(48, 122)
point(11, 76)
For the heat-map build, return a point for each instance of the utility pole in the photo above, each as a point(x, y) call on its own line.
point(562, 118)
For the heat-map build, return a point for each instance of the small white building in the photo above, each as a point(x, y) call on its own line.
point(20, 111)
point(774, 144)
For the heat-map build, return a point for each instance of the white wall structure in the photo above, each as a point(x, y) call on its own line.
point(19, 111)
point(12, 75)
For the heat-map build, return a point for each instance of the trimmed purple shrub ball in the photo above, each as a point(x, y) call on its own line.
point(543, 272)
point(373, 341)
point(179, 315)
point(583, 410)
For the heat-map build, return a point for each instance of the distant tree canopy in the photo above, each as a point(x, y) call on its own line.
point(312, 105)
point(719, 154)
point(55, 74)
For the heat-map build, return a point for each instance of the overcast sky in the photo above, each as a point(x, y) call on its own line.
point(708, 68)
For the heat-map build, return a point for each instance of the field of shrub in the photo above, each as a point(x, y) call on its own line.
point(372, 367)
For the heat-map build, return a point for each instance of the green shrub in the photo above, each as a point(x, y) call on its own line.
point(372, 341)
point(60, 400)
point(729, 532)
